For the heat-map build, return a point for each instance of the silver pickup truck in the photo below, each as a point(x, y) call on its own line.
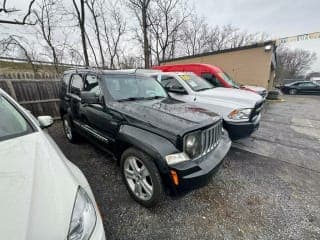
point(240, 109)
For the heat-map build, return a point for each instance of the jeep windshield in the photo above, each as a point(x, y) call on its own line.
point(132, 88)
point(196, 83)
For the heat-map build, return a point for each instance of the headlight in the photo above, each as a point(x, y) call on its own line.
point(83, 219)
point(192, 144)
point(177, 158)
point(240, 114)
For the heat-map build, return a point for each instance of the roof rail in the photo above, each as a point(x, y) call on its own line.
point(83, 68)
point(137, 70)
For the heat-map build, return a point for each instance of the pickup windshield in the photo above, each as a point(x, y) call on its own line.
point(12, 123)
point(225, 76)
point(196, 83)
point(132, 88)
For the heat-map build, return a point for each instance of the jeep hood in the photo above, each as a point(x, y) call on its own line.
point(236, 97)
point(37, 192)
point(166, 116)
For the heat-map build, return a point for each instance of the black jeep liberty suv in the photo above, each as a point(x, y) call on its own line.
point(160, 143)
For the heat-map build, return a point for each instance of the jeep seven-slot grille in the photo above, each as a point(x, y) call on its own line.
point(210, 138)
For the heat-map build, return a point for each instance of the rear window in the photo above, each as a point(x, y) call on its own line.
point(12, 123)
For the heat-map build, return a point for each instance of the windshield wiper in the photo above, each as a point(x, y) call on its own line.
point(131, 99)
point(203, 89)
point(154, 97)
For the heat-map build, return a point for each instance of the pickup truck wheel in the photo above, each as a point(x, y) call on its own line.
point(141, 177)
point(69, 131)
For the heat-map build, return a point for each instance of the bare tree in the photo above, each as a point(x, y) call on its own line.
point(114, 27)
point(166, 20)
point(293, 62)
point(20, 46)
point(141, 10)
point(93, 6)
point(80, 13)
point(47, 17)
point(6, 10)
point(195, 33)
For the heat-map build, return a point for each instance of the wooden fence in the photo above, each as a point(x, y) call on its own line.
point(40, 96)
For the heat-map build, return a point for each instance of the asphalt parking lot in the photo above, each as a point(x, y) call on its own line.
point(268, 187)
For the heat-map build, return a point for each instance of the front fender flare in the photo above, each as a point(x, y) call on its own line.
point(152, 144)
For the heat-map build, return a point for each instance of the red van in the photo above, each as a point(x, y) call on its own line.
point(212, 74)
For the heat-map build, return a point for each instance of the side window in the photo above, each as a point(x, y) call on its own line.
point(91, 84)
point(307, 85)
point(76, 84)
point(170, 82)
point(211, 79)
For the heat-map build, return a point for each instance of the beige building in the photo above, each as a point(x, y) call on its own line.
point(250, 65)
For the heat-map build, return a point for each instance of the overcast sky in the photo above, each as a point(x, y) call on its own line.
point(278, 18)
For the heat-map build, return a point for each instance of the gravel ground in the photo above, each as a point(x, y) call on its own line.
point(251, 197)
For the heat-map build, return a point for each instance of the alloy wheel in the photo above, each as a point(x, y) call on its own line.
point(138, 178)
point(292, 91)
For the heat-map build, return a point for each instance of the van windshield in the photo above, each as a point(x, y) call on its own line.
point(225, 76)
point(196, 83)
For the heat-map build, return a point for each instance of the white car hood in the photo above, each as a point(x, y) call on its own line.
point(37, 189)
point(255, 88)
point(236, 97)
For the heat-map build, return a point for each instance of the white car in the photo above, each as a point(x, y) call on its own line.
point(43, 195)
point(240, 109)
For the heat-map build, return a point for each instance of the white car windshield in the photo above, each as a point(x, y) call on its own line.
point(196, 83)
point(12, 123)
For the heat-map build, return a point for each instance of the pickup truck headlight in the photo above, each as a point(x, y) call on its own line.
point(83, 219)
point(192, 144)
point(240, 114)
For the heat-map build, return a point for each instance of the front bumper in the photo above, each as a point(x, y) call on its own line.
point(196, 173)
point(98, 233)
point(239, 130)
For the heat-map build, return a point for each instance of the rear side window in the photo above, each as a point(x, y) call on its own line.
point(12, 123)
point(76, 84)
point(66, 78)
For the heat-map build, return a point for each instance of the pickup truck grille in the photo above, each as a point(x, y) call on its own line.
point(210, 138)
point(264, 93)
point(256, 110)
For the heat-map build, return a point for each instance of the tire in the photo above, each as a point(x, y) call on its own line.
point(292, 91)
point(69, 130)
point(145, 186)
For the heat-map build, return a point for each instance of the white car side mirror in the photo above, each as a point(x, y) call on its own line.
point(45, 121)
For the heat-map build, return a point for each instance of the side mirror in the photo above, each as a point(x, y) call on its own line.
point(45, 121)
point(89, 97)
point(176, 89)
